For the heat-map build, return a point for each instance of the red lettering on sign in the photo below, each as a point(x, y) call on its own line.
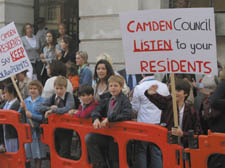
point(144, 65)
point(17, 54)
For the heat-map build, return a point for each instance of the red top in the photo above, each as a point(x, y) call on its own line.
point(86, 112)
point(75, 81)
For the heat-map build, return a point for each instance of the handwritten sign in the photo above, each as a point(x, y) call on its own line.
point(13, 57)
point(170, 41)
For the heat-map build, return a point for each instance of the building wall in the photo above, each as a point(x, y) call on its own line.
point(2, 13)
point(100, 27)
point(18, 11)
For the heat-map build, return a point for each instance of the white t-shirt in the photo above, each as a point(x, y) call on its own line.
point(48, 90)
point(147, 111)
point(181, 114)
point(32, 41)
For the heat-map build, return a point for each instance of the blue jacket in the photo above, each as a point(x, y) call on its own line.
point(32, 107)
point(85, 76)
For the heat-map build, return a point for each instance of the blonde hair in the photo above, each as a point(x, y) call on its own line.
point(60, 81)
point(116, 78)
point(37, 84)
point(104, 56)
point(83, 55)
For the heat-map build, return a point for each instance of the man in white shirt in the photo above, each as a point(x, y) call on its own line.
point(147, 112)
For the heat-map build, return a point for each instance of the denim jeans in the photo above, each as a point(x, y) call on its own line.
point(141, 155)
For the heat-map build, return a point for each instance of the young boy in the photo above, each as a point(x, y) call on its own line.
point(187, 117)
point(59, 103)
point(86, 95)
point(115, 108)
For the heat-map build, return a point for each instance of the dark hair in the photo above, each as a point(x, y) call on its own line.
point(54, 39)
point(109, 70)
point(57, 68)
point(24, 28)
point(184, 85)
point(68, 40)
point(85, 89)
point(11, 90)
point(189, 77)
point(23, 72)
point(5, 82)
point(149, 74)
point(71, 69)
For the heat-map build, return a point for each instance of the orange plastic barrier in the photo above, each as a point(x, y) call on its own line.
point(122, 133)
point(17, 159)
point(208, 144)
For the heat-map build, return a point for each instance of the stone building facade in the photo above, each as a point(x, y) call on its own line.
point(97, 21)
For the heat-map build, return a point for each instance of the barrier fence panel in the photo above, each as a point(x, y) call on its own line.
point(15, 159)
point(122, 132)
point(213, 143)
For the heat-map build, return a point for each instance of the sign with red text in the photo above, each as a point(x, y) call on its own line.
point(170, 41)
point(13, 57)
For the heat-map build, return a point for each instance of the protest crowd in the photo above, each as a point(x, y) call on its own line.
point(62, 82)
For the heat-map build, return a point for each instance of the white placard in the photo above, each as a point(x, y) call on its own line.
point(170, 41)
point(13, 57)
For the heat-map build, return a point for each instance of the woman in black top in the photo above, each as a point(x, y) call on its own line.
point(67, 54)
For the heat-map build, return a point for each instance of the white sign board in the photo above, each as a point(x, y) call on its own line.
point(13, 57)
point(170, 41)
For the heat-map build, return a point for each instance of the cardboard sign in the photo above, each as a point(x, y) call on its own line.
point(13, 57)
point(170, 41)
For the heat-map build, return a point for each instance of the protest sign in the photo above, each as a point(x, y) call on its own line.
point(13, 57)
point(169, 41)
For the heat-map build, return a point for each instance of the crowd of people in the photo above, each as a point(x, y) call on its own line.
point(61, 81)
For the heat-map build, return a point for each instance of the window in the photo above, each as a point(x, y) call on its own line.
point(51, 13)
point(219, 5)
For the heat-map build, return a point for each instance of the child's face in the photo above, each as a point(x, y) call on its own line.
point(6, 94)
point(101, 71)
point(114, 88)
point(180, 95)
point(87, 99)
point(33, 91)
point(60, 90)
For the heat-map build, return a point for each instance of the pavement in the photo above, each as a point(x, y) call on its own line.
point(75, 154)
